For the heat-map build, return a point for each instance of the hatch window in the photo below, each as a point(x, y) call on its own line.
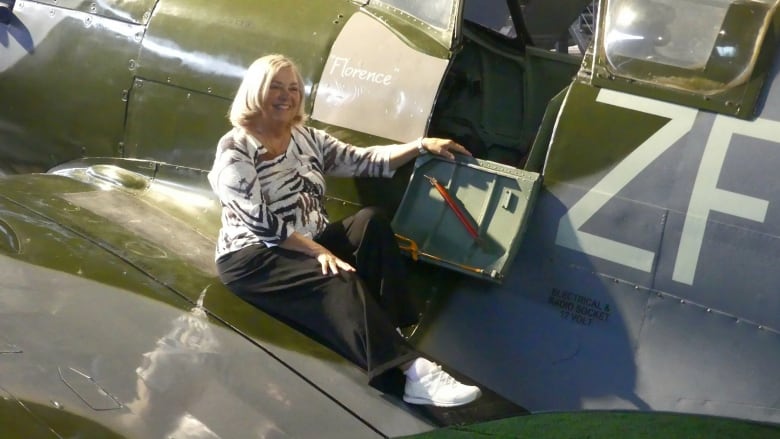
point(437, 13)
point(704, 46)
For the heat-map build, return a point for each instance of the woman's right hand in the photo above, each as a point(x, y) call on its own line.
point(331, 264)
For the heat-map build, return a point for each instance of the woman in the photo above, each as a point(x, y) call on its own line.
point(340, 283)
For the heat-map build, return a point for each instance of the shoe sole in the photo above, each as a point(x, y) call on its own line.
point(416, 400)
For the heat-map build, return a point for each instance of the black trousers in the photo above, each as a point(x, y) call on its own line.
point(355, 314)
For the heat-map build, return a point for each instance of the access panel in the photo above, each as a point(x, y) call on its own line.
point(467, 215)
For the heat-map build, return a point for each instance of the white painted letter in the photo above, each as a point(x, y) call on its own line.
point(680, 122)
point(336, 61)
point(706, 196)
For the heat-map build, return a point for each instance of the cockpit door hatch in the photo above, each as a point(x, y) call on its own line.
point(492, 199)
point(375, 83)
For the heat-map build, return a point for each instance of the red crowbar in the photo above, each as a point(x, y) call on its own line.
point(454, 207)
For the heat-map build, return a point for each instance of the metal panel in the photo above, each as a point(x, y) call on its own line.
point(158, 113)
point(135, 11)
point(206, 47)
point(63, 86)
point(494, 200)
point(620, 224)
point(729, 258)
point(367, 67)
point(708, 362)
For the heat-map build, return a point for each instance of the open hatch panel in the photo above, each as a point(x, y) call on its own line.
point(495, 199)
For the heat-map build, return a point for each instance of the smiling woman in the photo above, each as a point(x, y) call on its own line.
point(341, 283)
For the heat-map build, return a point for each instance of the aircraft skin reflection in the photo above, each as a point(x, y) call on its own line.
point(177, 372)
point(200, 379)
point(201, 62)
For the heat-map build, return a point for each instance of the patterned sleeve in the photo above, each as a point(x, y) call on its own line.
point(234, 180)
point(344, 160)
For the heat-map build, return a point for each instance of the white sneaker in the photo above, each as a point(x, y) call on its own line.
point(440, 389)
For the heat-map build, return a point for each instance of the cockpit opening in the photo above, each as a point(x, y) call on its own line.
point(496, 90)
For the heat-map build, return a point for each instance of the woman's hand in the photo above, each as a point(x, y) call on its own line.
point(331, 264)
point(401, 154)
point(443, 147)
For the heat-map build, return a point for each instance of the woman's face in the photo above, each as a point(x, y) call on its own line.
point(283, 98)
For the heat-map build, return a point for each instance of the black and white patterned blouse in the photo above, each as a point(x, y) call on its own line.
point(264, 201)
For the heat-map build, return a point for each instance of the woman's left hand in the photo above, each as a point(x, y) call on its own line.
point(444, 147)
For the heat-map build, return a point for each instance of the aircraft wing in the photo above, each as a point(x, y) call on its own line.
point(114, 321)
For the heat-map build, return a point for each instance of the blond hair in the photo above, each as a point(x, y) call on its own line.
point(248, 103)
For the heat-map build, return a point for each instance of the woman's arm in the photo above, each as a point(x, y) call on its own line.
point(343, 160)
point(401, 154)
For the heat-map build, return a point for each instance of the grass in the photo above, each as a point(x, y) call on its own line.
point(597, 425)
